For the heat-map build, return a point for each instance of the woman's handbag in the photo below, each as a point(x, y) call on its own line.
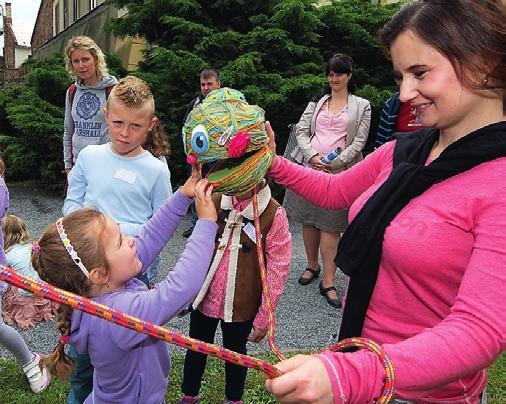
point(292, 150)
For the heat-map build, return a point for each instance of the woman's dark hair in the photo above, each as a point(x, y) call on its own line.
point(340, 63)
point(470, 33)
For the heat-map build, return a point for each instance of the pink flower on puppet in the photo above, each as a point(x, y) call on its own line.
point(238, 145)
point(191, 159)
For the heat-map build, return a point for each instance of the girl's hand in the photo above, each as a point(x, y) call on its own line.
point(204, 201)
point(304, 380)
point(258, 334)
point(188, 189)
point(272, 141)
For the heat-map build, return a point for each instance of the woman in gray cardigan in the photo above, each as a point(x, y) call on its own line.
point(339, 120)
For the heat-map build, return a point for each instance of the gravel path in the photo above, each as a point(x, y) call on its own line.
point(304, 319)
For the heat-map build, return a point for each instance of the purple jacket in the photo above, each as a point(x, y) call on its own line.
point(4, 205)
point(131, 367)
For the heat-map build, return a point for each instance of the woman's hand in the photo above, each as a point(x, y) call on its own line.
point(188, 189)
point(316, 163)
point(204, 201)
point(304, 380)
point(272, 141)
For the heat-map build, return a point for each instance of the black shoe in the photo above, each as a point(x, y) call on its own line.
point(333, 302)
point(314, 274)
point(188, 232)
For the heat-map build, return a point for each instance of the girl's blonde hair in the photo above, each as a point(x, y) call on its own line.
point(14, 232)
point(2, 167)
point(133, 92)
point(84, 228)
point(85, 43)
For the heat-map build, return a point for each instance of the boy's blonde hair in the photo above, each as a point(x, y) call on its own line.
point(133, 92)
point(14, 232)
point(85, 43)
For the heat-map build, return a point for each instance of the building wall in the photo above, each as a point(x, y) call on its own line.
point(90, 23)
point(9, 38)
point(21, 54)
point(66, 12)
point(43, 29)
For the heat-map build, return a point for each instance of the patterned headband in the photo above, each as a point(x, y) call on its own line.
point(70, 249)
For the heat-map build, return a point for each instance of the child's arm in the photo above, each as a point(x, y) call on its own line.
point(68, 131)
point(4, 204)
point(278, 251)
point(160, 228)
point(181, 285)
point(77, 187)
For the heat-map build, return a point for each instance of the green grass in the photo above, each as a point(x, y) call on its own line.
point(15, 389)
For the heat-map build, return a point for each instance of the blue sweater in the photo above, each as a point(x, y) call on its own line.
point(128, 189)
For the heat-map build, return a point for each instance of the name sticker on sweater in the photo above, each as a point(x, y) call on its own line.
point(125, 175)
point(249, 229)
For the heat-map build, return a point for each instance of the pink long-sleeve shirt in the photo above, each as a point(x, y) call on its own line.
point(278, 251)
point(438, 304)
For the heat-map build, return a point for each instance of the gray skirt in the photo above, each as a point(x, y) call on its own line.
point(303, 211)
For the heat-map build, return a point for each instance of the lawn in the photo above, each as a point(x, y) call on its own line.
point(15, 388)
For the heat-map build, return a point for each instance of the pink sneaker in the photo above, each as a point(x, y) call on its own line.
point(37, 374)
point(227, 401)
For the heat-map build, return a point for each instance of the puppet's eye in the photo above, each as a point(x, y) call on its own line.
point(200, 140)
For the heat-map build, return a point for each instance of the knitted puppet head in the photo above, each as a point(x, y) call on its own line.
point(225, 129)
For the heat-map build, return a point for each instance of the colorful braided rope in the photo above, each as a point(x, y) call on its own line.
point(263, 275)
point(77, 302)
point(389, 387)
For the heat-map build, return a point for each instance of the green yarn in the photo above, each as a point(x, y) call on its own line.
point(225, 111)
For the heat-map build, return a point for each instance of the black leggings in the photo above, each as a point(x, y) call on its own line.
point(235, 336)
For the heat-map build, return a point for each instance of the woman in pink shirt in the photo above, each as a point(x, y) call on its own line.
point(426, 247)
point(338, 120)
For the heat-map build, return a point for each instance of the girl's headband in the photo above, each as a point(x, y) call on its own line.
point(70, 249)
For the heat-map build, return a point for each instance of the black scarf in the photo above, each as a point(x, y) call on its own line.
point(359, 251)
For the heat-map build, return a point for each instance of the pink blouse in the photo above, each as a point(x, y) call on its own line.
point(330, 130)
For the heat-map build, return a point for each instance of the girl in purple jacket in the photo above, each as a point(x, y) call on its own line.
point(129, 367)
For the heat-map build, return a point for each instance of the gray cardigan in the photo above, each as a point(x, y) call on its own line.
point(359, 120)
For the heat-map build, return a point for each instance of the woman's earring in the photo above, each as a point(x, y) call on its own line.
point(484, 82)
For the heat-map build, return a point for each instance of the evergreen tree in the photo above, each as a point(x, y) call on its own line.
point(350, 26)
point(31, 120)
point(31, 133)
point(266, 49)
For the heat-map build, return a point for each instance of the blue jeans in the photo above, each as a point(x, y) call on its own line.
point(81, 380)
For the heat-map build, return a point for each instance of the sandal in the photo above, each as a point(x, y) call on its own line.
point(314, 274)
point(333, 302)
